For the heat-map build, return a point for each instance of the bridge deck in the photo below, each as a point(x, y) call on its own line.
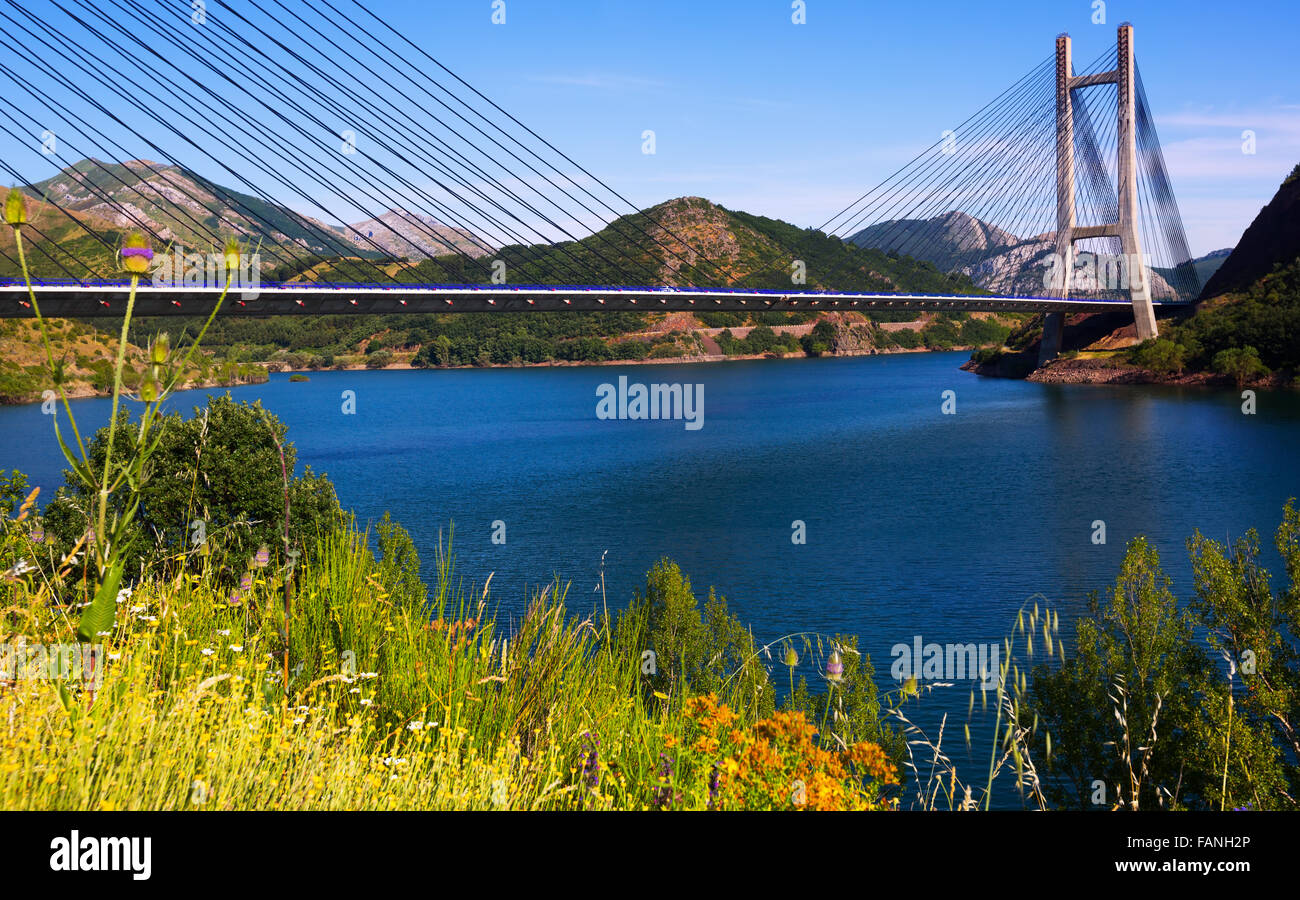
point(108, 300)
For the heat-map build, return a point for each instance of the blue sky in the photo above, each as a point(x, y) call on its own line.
point(795, 121)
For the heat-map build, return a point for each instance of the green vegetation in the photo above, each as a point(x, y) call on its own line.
point(1243, 337)
point(1164, 721)
point(760, 340)
point(227, 479)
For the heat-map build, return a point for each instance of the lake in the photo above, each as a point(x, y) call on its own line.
point(916, 522)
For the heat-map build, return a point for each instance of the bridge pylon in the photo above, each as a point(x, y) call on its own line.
point(1123, 76)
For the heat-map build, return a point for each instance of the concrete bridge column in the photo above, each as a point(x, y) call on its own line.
point(1144, 313)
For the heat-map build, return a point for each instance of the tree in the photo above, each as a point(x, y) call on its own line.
point(820, 340)
point(1241, 364)
point(1138, 716)
point(1162, 355)
point(220, 468)
point(379, 359)
point(696, 652)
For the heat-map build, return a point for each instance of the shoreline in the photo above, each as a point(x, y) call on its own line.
point(272, 368)
point(1107, 371)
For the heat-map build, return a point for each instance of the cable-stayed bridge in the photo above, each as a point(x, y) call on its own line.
point(369, 177)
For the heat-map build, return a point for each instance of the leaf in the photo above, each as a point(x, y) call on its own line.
point(98, 616)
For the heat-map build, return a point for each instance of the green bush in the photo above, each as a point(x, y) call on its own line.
point(1161, 355)
point(1241, 364)
point(221, 467)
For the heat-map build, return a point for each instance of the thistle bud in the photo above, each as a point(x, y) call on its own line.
point(834, 667)
point(161, 347)
point(15, 208)
point(791, 657)
point(136, 255)
point(232, 255)
point(149, 387)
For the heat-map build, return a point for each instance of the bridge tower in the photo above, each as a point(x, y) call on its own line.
point(1123, 76)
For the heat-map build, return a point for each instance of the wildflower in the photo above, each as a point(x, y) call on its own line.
point(791, 657)
point(136, 255)
point(246, 582)
point(237, 648)
point(590, 761)
point(207, 651)
point(834, 667)
point(231, 255)
point(262, 558)
point(15, 208)
point(38, 535)
point(224, 632)
point(665, 795)
point(366, 701)
point(235, 598)
point(124, 595)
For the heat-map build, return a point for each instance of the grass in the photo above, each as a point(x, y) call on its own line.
point(393, 702)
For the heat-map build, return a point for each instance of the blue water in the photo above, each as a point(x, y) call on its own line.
point(917, 523)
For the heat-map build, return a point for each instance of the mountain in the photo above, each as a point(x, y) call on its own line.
point(57, 247)
point(1210, 263)
point(402, 233)
point(996, 260)
point(691, 241)
point(950, 241)
point(1272, 239)
point(177, 205)
point(683, 241)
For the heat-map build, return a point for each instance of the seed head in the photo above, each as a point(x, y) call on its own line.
point(834, 667)
point(136, 254)
point(15, 208)
point(161, 347)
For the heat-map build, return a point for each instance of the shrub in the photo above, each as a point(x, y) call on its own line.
point(222, 467)
point(1241, 364)
point(379, 359)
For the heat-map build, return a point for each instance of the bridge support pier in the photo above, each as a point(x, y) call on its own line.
point(1053, 331)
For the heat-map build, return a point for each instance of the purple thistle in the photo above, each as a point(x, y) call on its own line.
point(38, 535)
point(235, 598)
point(246, 582)
point(262, 558)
